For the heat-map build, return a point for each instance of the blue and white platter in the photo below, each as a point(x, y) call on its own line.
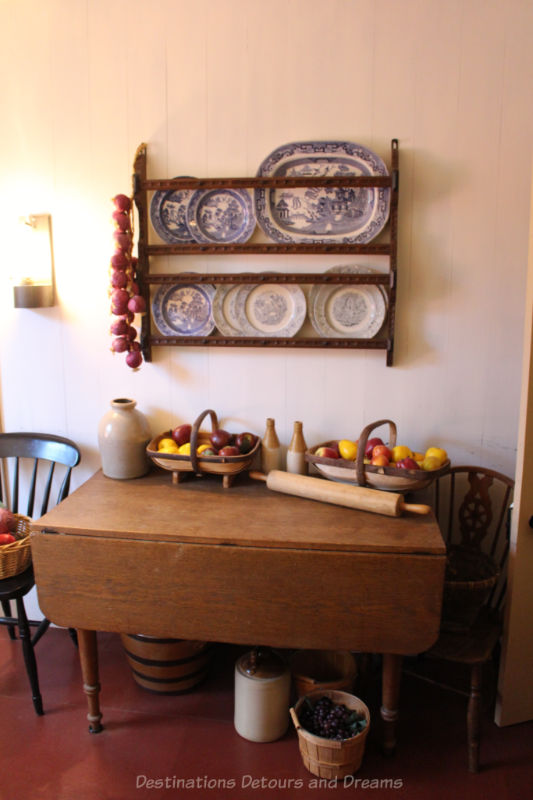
point(322, 215)
point(221, 216)
point(168, 212)
point(185, 309)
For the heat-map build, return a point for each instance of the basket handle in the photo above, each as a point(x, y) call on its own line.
point(361, 445)
point(194, 435)
point(294, 717)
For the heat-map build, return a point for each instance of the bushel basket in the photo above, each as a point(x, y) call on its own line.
point(331, 758)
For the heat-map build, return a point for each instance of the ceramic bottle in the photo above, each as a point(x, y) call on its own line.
point(296, 453)
point(270, 448)
point(123, 433)
point(262, 695)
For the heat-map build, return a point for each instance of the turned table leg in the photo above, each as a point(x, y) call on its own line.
point(89, 669)
point(390, 694)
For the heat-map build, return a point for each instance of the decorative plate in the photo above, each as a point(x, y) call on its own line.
point(184, 309)
point(269, 309)
point(168, 212)
point(222, 309)
point(322, 215)
point(349, 268)
point(352, 311)
point(221, 216)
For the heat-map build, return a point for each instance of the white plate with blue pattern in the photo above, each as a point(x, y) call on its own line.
point(322, 215)
point(185, 309)
point(221, 216)
point(350, 311)
point(168, 212)
point(269, 309)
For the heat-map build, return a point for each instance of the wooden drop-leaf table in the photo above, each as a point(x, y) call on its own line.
point(242, 565)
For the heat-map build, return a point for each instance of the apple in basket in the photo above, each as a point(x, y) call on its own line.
point(229, 450)
point(182, 434)
point(7, 521)
point(407, 463)
point(221, 438)
point(245, 442)
point(327, 452)
point(7, 538)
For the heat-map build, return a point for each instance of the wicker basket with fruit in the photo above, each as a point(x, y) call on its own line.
point(370, 462)
point(15, 551)
point(187, 449)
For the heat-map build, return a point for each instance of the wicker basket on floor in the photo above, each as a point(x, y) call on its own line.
point(16, 557)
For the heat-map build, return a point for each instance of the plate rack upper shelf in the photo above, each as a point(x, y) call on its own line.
point(142, 185)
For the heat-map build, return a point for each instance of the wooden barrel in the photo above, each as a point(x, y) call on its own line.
point(167, 666)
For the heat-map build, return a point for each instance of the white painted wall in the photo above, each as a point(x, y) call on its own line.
point(213, 87)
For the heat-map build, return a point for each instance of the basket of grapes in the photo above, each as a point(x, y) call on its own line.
point(332, 727)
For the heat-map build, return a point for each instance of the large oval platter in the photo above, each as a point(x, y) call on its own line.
point(322, 215)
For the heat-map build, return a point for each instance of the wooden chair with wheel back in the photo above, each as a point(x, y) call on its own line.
point(38, 466)
point(473, 507)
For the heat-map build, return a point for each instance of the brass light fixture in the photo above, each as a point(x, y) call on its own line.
point(34, 284)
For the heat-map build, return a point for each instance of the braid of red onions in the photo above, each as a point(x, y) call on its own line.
point(124, 291)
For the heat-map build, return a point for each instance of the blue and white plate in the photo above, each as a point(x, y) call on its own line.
point(221, 216)
point(345, 215)
point(351, 311)
point(168, 212)
point(185, 309)
point(269, 309)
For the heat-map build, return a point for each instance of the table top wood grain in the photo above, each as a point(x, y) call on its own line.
point(247, 514)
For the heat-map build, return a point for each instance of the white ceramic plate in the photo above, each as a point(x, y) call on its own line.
point(351, 311)
point(353, 269)
point(184, 309)
point(322, 215)
point(221, 309)
point(269, 309)
point(221, 216)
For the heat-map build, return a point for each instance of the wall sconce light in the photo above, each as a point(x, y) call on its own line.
point(34, 280)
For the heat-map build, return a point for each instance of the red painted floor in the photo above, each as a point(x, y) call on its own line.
point(188, 748)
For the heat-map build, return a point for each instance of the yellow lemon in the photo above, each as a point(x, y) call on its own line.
point(167, 442)
point(430, 463)
point(400, 452)
point(169, 449)
point(185, 449)
point(348, 449)
point(438, 453)
point(202, 447)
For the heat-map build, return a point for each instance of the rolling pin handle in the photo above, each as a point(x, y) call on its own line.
point(257, 476)
point(415, 508)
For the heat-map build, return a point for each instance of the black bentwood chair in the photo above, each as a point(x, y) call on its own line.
point(43, 462)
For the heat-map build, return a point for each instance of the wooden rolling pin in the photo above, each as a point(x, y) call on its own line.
point(341, 494)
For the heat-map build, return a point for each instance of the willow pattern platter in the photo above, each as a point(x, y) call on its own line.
point(184, 309)
point(353, 269)
point(168, 212)
point(268, 309)
point(221, 216)
point(322, 215)
point(353, 311)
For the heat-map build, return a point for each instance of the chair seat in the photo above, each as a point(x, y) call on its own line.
point(473, 645)
point(17, 585)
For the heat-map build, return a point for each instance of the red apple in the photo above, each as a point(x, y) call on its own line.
point(381, 450)
point(182, 434)
point(380, 461)
point(407, 463)
point(7, 520)
point(220, 438)
point(327, 452)
point(245, 442)
point(6, 538)
point(229, 450)
point(371, 443)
